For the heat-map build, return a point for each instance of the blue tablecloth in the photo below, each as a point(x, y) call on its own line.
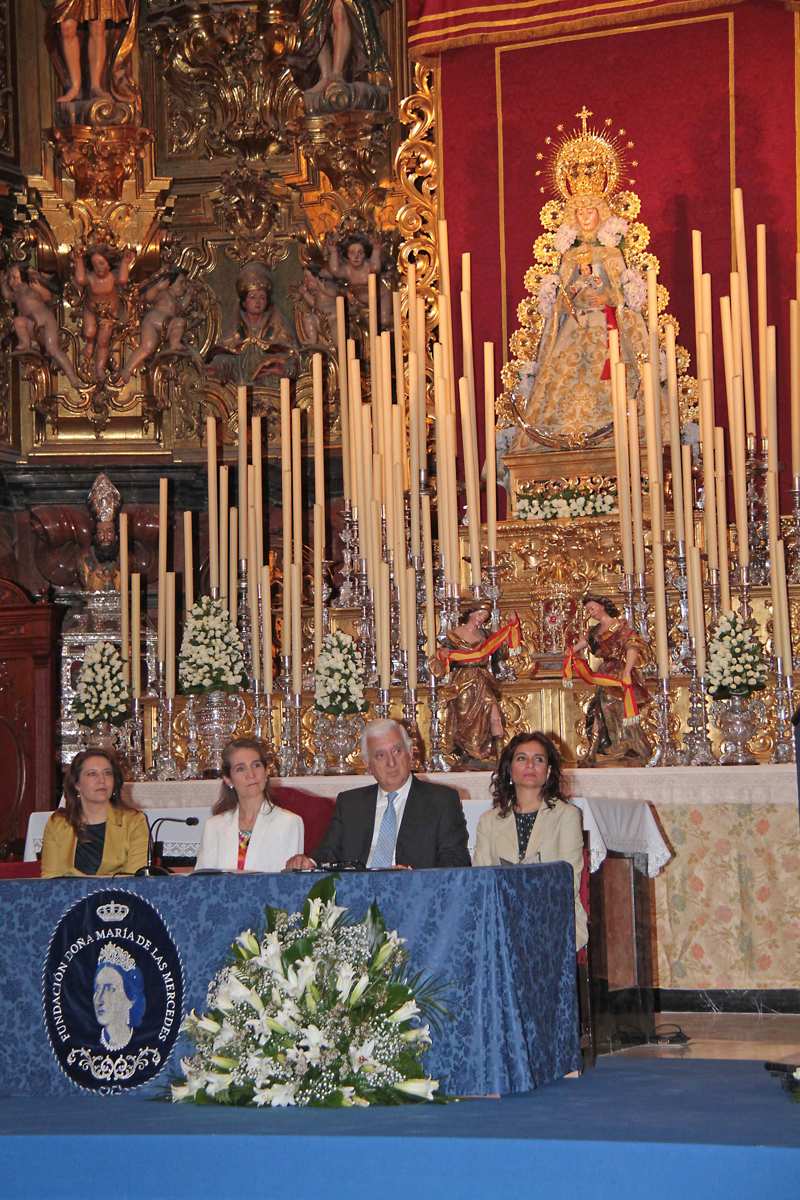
point(502, 938)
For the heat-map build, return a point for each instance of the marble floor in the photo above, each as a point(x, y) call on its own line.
point(765, 1038)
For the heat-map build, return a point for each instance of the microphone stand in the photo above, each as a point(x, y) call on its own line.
point(153, 866)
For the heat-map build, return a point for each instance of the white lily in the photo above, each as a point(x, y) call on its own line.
point(423, 1089)
point(404, 1013)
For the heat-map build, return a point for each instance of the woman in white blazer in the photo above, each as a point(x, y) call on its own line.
point(246, 831)
point(530, 821)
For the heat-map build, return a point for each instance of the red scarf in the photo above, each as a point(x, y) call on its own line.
point(580, 667)
point(510, 633)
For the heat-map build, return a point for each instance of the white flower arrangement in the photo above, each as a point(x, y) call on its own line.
point(544, 504)
point(211, 657)
point(101, 694)
point(316, 1011)
point(634, 289)
point(736, 665)
point(339, 676)
point(546, 298)
point(565, 236)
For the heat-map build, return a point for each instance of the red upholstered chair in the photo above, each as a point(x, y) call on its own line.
point(20, 870)
point(315, 811)
point(585, 1020)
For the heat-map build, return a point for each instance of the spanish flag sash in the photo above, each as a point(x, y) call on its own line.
point(580, 667)
point(509, 633)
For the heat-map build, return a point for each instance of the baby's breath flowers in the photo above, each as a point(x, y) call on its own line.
point(211, 657)
point(102, 694)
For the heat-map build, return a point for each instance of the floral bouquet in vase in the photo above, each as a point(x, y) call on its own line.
point(211, 658)
point(317, 1010)
point(339, 697)
point(736, 665)
point(102, 695)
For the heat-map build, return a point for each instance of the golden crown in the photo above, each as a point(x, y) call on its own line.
point(587, 161)
point(114, 956)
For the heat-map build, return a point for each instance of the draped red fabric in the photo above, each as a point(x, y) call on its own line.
point(709, 100)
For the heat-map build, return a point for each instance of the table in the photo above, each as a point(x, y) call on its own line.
point(501, 938)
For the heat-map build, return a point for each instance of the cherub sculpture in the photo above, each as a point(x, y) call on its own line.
point(315, 310)
point(352, 260)
point(35, 322)
point(103, 305)
point(168, 295)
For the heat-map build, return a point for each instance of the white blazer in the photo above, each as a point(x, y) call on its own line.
point(277, 835)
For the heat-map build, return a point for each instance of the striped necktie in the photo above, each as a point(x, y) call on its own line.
point(383, 854)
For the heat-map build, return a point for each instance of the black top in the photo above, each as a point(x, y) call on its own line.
point(89, 851)
point(525, 822)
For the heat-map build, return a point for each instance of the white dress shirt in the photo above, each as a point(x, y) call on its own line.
point(380, 808)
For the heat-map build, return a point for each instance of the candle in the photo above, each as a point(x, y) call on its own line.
point(319, 526)
point(233, 574)
point(722, 518)
point(241, 401)
point(654, 464)
point(740, 475)
point(213, 530)
point(444, 258)
point(319, 443)
point(372, 298)
point(411, 608)
point(635, 480)
point(427, 558)
point(384, 640)
point(124, 609)
point(471, 478)
point(162, 567)
point(674, 432)
point(697, 281)
point(258, 489)
point(223, 534)
point(297, 629)
point(623, 470)
point(422, 342)
point(709, 490)
point(490, 447)
point(698, 608)
point(688, 494)
point(413, 431)
point(400, 383)
point(652, 301)
point(266, 628)
point(344, 397)
point(286, 621)
point(297, 495)
point(169, 617)
point(744, 309)
point(769, 424)
point(136, 634)
point(660, 607)
point(188, 563)
point(252, 594)
point(761, 318)
point(786, 629)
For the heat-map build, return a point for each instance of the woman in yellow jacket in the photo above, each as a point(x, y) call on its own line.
point(530, 821)
point(96, 832)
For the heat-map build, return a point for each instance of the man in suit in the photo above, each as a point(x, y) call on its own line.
point(400, 821)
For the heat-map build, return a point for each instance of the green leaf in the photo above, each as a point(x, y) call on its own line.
point(324, 890)
point(273, 915)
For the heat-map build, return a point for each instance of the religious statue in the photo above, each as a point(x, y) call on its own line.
point(106, 64)
point(612, 718)
point(168, 295)
point(103, 302)
point(263, 344)
point(474, 726)
point(76, 551)
point(587, 281)
point(315, 307)
point(35, 323)
point(341, 42)
point(352, 260)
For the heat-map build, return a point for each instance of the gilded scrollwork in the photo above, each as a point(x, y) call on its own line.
point(8, 137)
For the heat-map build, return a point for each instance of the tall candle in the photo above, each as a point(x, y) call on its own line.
point(400, 384)
point(471, 477)
point(411, 605)
point(169, 618)
point(384, 641)
point(319, 524)
point(654, 465)
point(623, 471)
point(660, 608)
point(266, 629)
point(636, 483)
point(761, 318)
point(688, 494)
point(372, 300)
point(319, 442)
point(744, 310)
point(241, 402)
point(674, 432)
point(188, 562)
point(258, 489)
point(253, 570)
point(413, 430)
point(769, 425)
point(696, 585)
point(490, 448)
point(709, 489)
point(233, 571)
point(286, 617)
point(722, 518)
point(697, 281)
point(136, 635)
point(740, 475)
point(297, 496)
point(162, 567)
point(213, 528)
point(427, 558)
point(786, 629)
point(223, 533)
point(297, 629)
point(344, 397)
point(124, 610)
point(794, 382)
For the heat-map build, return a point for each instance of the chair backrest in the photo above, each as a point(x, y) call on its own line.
point(314, 811)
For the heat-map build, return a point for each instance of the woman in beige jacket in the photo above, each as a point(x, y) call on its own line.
point(530, 821)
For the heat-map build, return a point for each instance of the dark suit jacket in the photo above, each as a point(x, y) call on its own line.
point(433, 832)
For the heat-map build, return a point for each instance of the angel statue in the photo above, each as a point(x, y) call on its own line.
point(109, 66)
point(101, 281)
point(35, 322)
point(585, 284)
point(351, 260)
point(167, 297)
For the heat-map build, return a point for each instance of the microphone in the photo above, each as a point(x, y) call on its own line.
point(155, 849)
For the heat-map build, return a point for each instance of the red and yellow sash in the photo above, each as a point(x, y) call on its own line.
point(509, 633)
point(580, 667)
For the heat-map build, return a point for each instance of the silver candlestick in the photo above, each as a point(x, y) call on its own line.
point(666, 753)
point(290, 761)
point(137, 740)
point(348, 590)
point(681, 646)
point(382, 704)
point(640, 606)
point(698, 746)
point(192, 768)
point(243, 617)
point(436, 760)
point(784, 734)
point(628, 602)
point(744, 593)
point(160, 695)
point(412, 728)
point(166, 767)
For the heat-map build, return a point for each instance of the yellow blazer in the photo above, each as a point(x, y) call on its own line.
point(124, 851)
point(557, 837)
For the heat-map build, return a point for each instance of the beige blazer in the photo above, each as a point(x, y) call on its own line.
point(557, 837)
point(124, 850)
